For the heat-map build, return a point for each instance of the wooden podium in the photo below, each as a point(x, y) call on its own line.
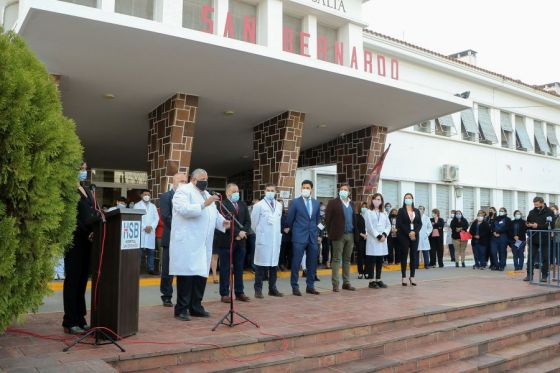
point(117, 299)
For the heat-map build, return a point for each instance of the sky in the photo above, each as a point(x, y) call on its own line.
point(516, 38)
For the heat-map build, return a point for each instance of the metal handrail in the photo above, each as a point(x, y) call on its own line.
point(548, 241)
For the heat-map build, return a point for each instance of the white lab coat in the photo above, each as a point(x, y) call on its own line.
point(192, 232)
point(150, 218)
point(377, 223)
point(447, 230)
point(266, 224)
point(424, 235)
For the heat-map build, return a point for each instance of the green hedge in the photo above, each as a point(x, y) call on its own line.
point(40, 154)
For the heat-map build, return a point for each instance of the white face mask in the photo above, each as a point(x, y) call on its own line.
point(146, 198)
point(376, 203)
point(305, 193)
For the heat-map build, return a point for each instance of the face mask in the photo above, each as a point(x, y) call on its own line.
point(121, 206)
point(202, 184)
point(146, 198)
point(376, 203)
point(408, 202)
point(305, 193)
point(269, 195)
point(480, 218)
point(82, 175)
point(458, 216)
point(517, 217)
point(363, 210)
point(343, 194)
point(500, 213)
point(387, 209)
point(234, 197)
point(421, 212)
point(491, 213)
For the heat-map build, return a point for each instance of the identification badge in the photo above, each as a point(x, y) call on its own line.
point(411, 226)
point(320, 226)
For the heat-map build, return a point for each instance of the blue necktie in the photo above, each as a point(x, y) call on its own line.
point(308, 202)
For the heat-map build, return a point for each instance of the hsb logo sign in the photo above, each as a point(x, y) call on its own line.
point(130, 229)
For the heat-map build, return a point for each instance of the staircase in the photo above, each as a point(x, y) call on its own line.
point(516, 335)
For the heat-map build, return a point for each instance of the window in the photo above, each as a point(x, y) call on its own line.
point(508, 201)
point(136, 8)
point(425, 127)
point(291, 29)
point(521, 136)
point(326, 37)
point(552, 139)
point(244, 17)
point(390, 190)
point(541, 143)
point(326, 185)
point(445, 126)
point(507, 130)
point(468, 203)
point(488, 135)
point(443, 194)
point(469, 129)
point(11, 12)
point(90, 3)
point(192, 14)
point(422, 195)
point(485, 199)
point(522, 203)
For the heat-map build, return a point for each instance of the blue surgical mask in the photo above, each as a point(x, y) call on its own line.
point(500, 213)
point(387, 209)
point(363, 210)
point(408, 202)
point(121, 206)
point(234, 197)
point(83, 175)
point(269, 195)
point(517, 217)
point(458, 216)
point(343, 194)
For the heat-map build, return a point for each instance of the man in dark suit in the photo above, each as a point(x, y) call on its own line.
point(303, 218)
point(166, 210)
point(223, 242)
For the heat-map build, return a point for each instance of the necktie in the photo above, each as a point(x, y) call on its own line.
point(309, 207)
point(235, 205)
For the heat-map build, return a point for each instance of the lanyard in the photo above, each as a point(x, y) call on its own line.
point(271, 206)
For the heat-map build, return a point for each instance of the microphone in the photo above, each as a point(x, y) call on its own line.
point(214, 193)
point(549, 220)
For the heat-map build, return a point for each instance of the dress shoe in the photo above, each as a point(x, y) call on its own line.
point(317, 278)
point(360, 276)
point(463, 264)
point(348, 287)
point(259, 294)
point(373, 285)
point(167, 303)
point(335, 289)
point(544, 279)
point(296, 292)
point(74, 330)
point(86, 327)
point(457, 264)
point(200, 313)
point(242, 298)
point(527, 278)
point(275, 293)
point(381, 285)
point(225, 299)
point(185, 316)
point(312, 291)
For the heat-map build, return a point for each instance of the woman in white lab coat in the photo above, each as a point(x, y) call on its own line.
point(378, 227)
point(424, 239)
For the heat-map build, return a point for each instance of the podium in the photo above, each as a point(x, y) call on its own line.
point(117, 299)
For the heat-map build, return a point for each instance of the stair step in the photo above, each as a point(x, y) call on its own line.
point(546, 366)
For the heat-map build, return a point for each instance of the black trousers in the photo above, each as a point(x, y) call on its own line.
point(360, 249)
point(285, 254)
point(325, 250)
point(534, 251)
point(374, 265)
point(190, 291)
point(166, 282)
point(260, 272)
point(408, 246)
point(436, 250)
point(77, 263)
point(394, 252)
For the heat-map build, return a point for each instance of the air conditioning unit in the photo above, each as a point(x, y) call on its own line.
point(449, 173)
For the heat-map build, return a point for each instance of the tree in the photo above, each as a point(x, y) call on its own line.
point(40, 154)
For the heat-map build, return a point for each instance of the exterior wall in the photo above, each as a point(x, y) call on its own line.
point(170, 141)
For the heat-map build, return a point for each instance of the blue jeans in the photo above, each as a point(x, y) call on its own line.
point(311, 250)
point(151, 254)
point(426, 255)
point(518, 255)
point(498, 250)
point(479, 255)
point(238, 259)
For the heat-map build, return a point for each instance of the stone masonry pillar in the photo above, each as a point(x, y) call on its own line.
point(170, 141)
point(354, 155)
point(276, 145)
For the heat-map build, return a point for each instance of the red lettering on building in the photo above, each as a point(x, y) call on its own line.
point(288, 40)
point(250, 29)
point(354, 59)
point(228, 28)
point(368, 59)
point(206, 18)
point(381, 65)
point(394, 69)
point(303, 44)
point(338, 50)
point(322, 48)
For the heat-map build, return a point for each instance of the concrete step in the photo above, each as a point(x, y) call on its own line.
point(544, 366)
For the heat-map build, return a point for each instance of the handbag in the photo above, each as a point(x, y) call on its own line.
point(465, 236)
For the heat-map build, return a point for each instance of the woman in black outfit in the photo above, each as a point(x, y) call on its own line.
point(394, 252)
point(436, 239)
point(77, 262)
point(360, 240)
point(409, 223)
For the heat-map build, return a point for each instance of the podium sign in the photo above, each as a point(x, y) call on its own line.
point(116, 304)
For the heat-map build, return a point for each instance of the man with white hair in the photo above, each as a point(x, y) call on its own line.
point(195, 217)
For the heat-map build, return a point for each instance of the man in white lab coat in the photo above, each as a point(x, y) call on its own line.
point(150, 221)
point(195, 217)
point(266, 218)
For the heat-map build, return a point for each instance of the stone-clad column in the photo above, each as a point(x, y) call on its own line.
point(276, 145)
point(170, 140)
point(354, 155)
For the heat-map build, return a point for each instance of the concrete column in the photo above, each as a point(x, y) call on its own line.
point(269, 24)
point(276, 147)
point(351, 36)
point(171, 12)
point(221, 8)
point(107, 5)
point(170, 140)
point(309, 25)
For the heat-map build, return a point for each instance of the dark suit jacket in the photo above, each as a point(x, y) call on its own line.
point(483, 232)
point(166, 210)
point(304, 228)
point(223, 240)
point(334, 218)
point(403, 223)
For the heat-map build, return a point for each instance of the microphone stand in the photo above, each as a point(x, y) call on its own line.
point(228, 318)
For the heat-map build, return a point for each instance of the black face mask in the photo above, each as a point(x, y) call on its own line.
point(202, 184)
point(491, 213)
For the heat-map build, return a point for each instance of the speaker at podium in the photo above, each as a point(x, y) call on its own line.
point(115, 302)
